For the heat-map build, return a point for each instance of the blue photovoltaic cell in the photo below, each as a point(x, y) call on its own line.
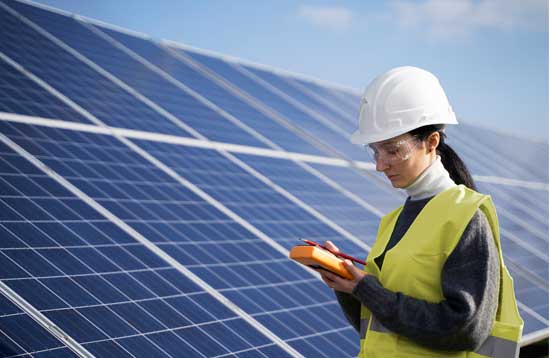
point(223, 98)
point(260, 280)
point(298, 116)
point(247, 196)
point(532, 253)
point(20, 95)
point(370, 188)
point(503, 156)
point(292, 114)
point(22, 336)
point(77, 81)
point(284, 84)
point(106, 290)
point(331, 95)
point(143, 80)
point(530, 156)
point(340, 209)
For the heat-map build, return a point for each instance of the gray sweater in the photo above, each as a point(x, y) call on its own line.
point(470, 282)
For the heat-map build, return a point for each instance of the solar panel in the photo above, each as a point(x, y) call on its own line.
point(165, 94)
point(114, 296)
point(291, 111)
point(21, 335)
point(136, 236)
point(79, 82)
point(21, 95)
point(225, 98)
point(197, 236)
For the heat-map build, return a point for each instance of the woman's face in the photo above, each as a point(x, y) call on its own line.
point(403, 158)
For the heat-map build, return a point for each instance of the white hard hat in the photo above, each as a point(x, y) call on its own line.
point(399, 101)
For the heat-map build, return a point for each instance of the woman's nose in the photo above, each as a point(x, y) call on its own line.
point(381, 165)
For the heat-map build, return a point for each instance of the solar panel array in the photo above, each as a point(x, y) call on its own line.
point(150, 192)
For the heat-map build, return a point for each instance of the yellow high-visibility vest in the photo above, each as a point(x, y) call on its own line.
point(414, 268)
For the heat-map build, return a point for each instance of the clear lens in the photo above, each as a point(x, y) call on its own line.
point(391, 153)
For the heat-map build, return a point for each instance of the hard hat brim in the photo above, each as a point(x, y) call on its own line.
point(359, 138)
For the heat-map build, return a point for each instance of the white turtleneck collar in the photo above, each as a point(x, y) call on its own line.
point(433, 180)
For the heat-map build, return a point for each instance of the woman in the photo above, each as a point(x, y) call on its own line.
point(435, 284)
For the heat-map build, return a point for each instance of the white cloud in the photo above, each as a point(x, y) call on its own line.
point(447, 18)
point(327, 17)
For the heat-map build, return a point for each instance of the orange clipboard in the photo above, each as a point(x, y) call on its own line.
point(318, 258)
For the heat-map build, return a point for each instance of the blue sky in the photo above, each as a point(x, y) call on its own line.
point(491, 55)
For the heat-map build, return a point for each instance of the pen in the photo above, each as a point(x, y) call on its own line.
point(313, 243)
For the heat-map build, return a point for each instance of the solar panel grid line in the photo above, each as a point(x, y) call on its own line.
point(500, 156)
point(515, 204)
point(278, 71)
point(230, 214)
point(41, 83)
point(230, 87)
point(529, 228)
point(170, 79)
point(172, 173)
point(533, 313)
point(346, 115)
point(527, 275)
point(475, 150)
point(330, 115)
point(97, 68)
point(504, 212)
point(326, 220)
point(54, 123)
point(152, 247)
point(35, 340)
point(322, 218)
point(56, 331)
point(242, 164)
point(536, 185)
point(368, 171)
point(534, 337)
point(341, 189)
point(89, 306)
point(305, 167)
point(329, 94)
point(524, 244)
point(260, 106)
point(352, 99)
point(320, 118)
point(244, 149)
point(3, 335)
point(313, 330)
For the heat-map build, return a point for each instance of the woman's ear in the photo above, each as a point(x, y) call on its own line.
point(433, 141)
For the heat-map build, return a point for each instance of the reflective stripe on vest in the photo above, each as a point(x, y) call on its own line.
point(414, 268)
point(492, 347)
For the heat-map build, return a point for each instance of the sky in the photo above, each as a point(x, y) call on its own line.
point(491, 56)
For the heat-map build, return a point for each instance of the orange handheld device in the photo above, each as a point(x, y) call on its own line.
point(319, 258)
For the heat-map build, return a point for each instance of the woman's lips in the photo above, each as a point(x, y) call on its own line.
point(391, 177)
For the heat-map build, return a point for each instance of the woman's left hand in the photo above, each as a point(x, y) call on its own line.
point(339, 283)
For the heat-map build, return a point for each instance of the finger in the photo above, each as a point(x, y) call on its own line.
point(355, 272)
point(329, 245)
point(330, 276)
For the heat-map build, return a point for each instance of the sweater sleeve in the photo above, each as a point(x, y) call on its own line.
point(351, 308)
point(470, 282)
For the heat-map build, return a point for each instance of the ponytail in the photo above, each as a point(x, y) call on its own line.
point(451, 161)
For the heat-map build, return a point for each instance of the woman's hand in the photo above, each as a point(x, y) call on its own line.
point(339, 283)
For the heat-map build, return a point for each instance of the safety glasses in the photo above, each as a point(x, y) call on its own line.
point(391, 152)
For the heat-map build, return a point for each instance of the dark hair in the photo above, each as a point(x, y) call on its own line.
point(451, 161)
